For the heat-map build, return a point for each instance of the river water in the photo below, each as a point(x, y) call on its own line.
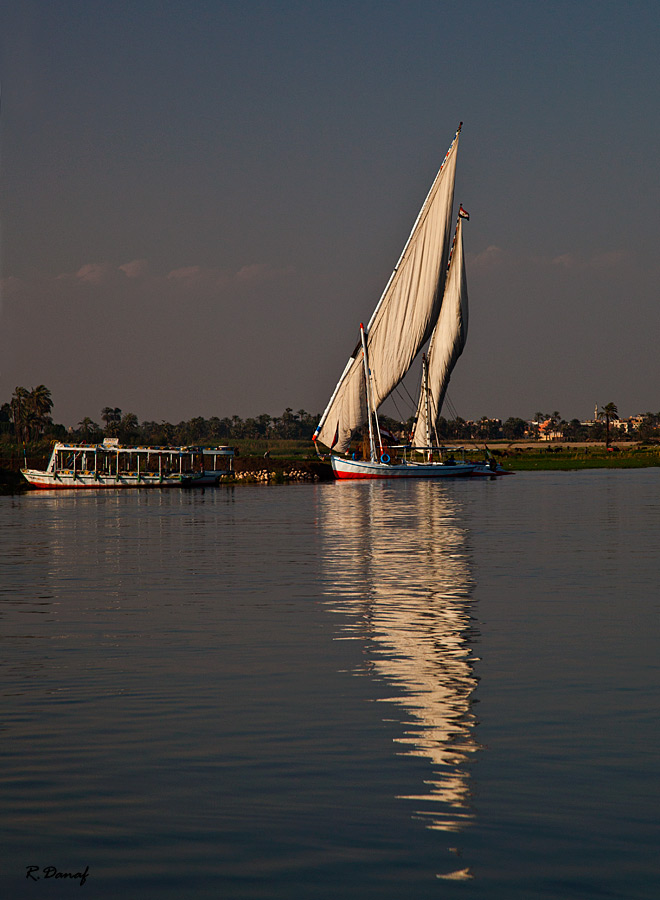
point(414, 689)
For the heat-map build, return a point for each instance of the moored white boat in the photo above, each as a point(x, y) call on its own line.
point(489, 469)
point(364, 468)
point(487, 466)
point(111, 465)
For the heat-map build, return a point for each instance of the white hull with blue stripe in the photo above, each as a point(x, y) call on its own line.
point(363, 468)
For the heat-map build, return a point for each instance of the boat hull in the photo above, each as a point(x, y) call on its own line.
point(345, 469)
point(485, 470)
point(65, 481)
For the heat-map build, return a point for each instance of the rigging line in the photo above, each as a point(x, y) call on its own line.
point(398, 411)
point(403, 399)
point(451, 407)
point(402, 418)
point(410, 397)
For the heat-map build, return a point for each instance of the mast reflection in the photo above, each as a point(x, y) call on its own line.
point(396, 560)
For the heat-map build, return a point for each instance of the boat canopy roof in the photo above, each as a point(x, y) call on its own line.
point(106, 447)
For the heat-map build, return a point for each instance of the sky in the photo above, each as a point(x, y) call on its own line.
point(200, 202)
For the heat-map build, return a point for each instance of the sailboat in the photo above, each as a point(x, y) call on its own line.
point(425, 300)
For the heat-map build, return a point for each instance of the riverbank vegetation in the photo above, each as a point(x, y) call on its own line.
point(27, 432)
point(558, 457)
point(27, 417)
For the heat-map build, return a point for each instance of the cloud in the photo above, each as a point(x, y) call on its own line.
point(489, 258)
point(260, 273)
point(135, 269)
point(101, 273)
point(136, 282)
point(603, 260)
point(93, 273)
point(203, 279)
point(613, 259)
point(187, 273)
point(494, 257)
point(251, 276)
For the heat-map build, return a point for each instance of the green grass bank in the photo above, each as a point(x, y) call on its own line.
point(566, 457)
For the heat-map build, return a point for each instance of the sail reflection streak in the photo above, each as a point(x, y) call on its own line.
point(396, 560)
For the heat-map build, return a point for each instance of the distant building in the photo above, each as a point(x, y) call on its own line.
point(548, 431)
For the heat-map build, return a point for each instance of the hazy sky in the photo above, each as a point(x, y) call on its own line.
point(200, 201)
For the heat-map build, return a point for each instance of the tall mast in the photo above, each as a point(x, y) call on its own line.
point(425, 388)
point(367, 379)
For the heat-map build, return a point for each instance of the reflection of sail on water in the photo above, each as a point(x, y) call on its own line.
point(397, 560)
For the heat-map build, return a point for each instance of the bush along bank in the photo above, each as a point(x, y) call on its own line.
point(254, 470)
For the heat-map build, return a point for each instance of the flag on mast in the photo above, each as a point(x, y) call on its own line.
point(463, 214)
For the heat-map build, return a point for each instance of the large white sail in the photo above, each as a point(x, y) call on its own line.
point(404, 318)
point(446, 344)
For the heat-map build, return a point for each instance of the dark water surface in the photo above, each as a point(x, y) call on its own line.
point(424, 690)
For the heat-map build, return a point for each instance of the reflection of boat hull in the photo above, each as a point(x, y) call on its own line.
point(361, 468)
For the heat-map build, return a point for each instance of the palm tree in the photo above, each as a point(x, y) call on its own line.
point(112, 417)
point(25, 414)
point(87, 428)
point(608, 412)
point(18, 403)
point(128, 428)
point(41, 399)
point(41, 403)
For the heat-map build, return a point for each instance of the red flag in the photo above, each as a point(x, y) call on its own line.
point(463, 214)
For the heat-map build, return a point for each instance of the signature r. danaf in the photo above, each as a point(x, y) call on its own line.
point(54, 872)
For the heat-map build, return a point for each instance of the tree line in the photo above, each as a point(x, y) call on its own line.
point(27, 417)
point(198, 430)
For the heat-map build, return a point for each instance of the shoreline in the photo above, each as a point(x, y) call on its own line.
point(519, 456)
point(516, 456)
